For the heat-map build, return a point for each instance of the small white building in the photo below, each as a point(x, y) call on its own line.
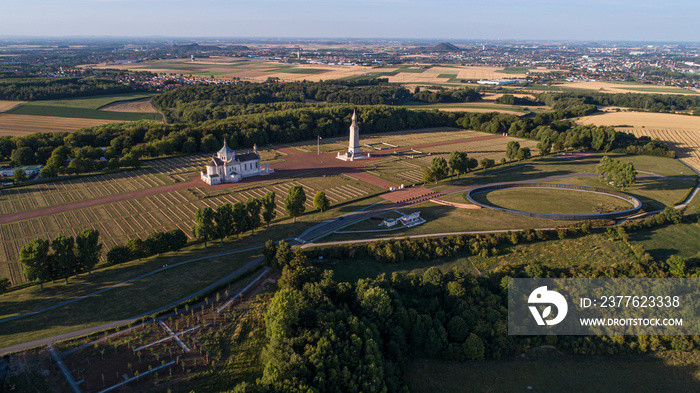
point(411, 220)
point(227, 167)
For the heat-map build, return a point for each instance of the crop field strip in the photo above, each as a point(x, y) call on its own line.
point(686, 143)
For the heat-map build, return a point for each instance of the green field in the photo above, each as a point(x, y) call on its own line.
point(95, 102)
point(514, 70)
point(652, 373)
point(450, 77)
point(85, 108)
point(445, 219)
point(661, 243)
point(551, 201)
point(34, 109)
point(138, 297)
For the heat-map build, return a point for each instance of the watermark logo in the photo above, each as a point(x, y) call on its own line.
point(542, 296)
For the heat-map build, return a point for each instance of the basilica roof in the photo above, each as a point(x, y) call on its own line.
point(226, 150)
point(247, 157)
point(215, 161)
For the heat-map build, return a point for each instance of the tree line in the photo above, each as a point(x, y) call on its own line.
point(649, 102)
point(45, 88)
point(233, 219)
point(155, 244)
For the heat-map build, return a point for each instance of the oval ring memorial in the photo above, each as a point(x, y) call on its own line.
point(636, 204)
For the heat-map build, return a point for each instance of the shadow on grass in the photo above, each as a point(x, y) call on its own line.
point(667, 372)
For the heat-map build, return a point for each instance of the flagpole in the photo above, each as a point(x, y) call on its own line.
point(318, 145)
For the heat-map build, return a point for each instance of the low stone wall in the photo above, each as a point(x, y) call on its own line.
point(636, 204)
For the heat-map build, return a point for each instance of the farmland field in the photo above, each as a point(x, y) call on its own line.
point(7, 105)
point(612, 87)
point(259, 70)
point(21, 125)
point(135, 106)
point(35, 109)
point(681, 132)
point(85, 108)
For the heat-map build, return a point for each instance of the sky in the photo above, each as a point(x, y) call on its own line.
point(599, 20)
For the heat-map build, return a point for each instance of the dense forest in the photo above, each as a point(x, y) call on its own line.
point(44, 88)
point(199, 103)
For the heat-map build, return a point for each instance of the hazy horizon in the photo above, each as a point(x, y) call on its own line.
point(505, 20)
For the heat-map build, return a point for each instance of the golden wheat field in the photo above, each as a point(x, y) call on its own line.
point(610, 87)
point(138, 106)
point(643, 119)
point(20, 125)
point(681, 132)
point(7, 105)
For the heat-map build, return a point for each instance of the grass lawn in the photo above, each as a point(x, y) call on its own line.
point(659, 372)
point(654, 193)
point(444, 219)
point(661, 243)
point(551, 201)
point(593, 249)
point(137, 297)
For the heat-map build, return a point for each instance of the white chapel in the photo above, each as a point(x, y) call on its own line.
point(227, 167)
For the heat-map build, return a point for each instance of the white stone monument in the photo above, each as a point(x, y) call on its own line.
point(353, 153)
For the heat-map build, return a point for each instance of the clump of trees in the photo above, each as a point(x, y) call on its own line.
point(69, 256)
point(233, 219)
point(509, 99)
point(155, 244)
point(620, 174)
point(445, 96)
